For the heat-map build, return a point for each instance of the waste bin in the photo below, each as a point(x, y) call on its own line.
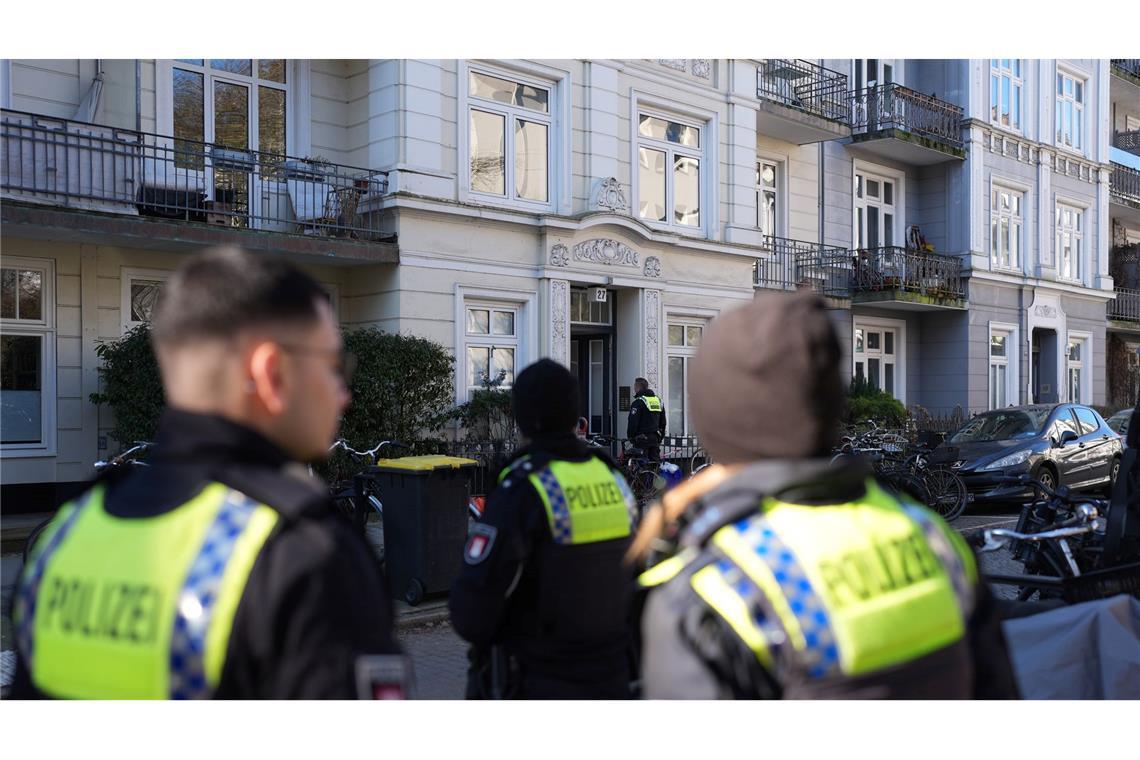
point(425, 522)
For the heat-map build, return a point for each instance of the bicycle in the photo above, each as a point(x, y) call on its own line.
point(947, 492)
point(700, 456)
point(639, 470)
point(124, 458)
point(356, 498)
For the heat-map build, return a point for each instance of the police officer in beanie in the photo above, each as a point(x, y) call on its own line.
point(775, 575)
point(645, 427)
point(543, 593)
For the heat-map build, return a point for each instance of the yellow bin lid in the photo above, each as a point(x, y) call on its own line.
point(424, 463)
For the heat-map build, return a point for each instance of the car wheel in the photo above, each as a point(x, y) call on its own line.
point(1113, 473)
point(1046, 476)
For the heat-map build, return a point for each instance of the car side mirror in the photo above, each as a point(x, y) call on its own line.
point(1067, 437)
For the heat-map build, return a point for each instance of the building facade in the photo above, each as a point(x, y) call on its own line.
point(599, 212)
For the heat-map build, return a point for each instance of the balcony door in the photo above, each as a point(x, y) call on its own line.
point(871, 72)
point(877, 198)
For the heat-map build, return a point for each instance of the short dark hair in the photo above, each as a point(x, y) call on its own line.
point(640, 382)
point(223, 290)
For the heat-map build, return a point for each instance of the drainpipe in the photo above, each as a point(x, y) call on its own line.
point(138, 95)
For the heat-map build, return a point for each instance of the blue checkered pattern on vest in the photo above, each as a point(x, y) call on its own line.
point(821, 653)
point(561, 527)
point(29, 588)
point(951, 561)
point(746, 589)
point(195, 605)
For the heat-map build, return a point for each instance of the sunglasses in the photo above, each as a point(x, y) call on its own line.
point(345, 361)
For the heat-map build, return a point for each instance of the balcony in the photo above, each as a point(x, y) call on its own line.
point(1124, 312)
point(801, 102)
point(896, 122)
point(67, 179)
point(1129, 142)
point(1127, 69)
point(800, 265)
point(1124, 188)
point(906, 279)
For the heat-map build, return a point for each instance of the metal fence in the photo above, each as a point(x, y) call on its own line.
point(1126, 307)
point(1125, 183)
point(1128, 65)
point(896, 268)
point(801, 265)
point(1127, 141)
point(804, 85)
point(98, 168)
point(892, 106)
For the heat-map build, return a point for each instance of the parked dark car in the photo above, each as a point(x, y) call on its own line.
point(1066, 444)
point(1119, 423)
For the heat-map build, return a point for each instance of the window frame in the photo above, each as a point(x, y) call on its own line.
point(45, 329)
point(1064, 72)
point(997, 186)
point(558, 84)
point(1012, 363)
point(523, 303)
point(1060, 205)
point(881, 324)
point(1017, 83)
point(779, 189)
point(129, 275)
point(879, 173)
point(1084, 365)
point(686, 353)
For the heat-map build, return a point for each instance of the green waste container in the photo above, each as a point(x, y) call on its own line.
point(425, 522)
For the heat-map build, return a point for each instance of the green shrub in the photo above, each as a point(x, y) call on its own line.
point(865, 402)
point(131, 386)
point(487, 415)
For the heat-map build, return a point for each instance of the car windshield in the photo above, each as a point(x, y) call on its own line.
point(1119, 421)
point(1001, 426)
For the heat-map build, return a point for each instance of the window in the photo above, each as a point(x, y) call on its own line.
point(1005, 227)
point(1070, 111)
point(27, 355)
point(668, 171)
point(999, 369)
point(1065, 421)
point(1070, 241)
point(492, 342)
point(510, 128)
point(141, 289)
point(876, 200)
point(876, 357)
point(1005, 92)
point(768, 206)
point(684, 339)
point(1076, 374)
point(1087, 419)
point(586, 311)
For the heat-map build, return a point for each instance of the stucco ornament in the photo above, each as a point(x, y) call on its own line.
point(611, 196)
point(702, 67)
point(559, 256)
point(606, 251)
point(653, 267)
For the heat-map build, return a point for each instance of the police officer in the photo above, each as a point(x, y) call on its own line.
point(773, 575)
point(222, 569)
point(646, 425)
point(543, 594)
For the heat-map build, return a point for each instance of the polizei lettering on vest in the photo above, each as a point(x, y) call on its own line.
point(118, 611)
point(889, 566)
point(593, 495)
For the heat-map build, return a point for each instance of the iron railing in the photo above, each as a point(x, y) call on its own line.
point(1126, 307)
point(1128, 141)
point(804, 85)
point(1125, 183)
point(910, 271)
point(92, 167)
point(801, 265)
point(892, 106)
point(1127, 65)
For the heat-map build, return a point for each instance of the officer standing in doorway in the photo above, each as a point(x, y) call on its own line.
point(646, 426)
point(221, 570)
point(543, 594)
point(776, 575)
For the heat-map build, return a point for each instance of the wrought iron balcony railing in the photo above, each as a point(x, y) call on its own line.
point(1124, 184)
point(1128, 141)
point(892, 106)
point(798, 265)
point(1127, 65)
point(91, 167)
point(906, 270)
point(804, 85)
point(1126, 307)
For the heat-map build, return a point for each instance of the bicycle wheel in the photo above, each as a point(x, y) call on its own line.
point(901, 483)
point(948, 494)
point(699, 461)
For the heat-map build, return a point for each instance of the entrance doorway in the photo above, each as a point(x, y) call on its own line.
point(592, 337)
point(1043, 367)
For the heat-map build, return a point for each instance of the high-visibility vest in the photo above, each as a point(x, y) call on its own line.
point(585, 501)
point(652, 403)
point(839, 590)
point(140, 608)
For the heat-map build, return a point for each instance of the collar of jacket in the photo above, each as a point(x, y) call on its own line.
point(566, 446)
point(646, 392)
point(800, 481)
point(209, 438)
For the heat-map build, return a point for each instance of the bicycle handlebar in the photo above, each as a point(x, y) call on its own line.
point(139, 447)
point(342, 444)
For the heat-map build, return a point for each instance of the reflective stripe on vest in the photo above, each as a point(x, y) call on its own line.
point(140, 608)
point(729, 591)
point(652, 403)
point(855, 587)
point(585, 501)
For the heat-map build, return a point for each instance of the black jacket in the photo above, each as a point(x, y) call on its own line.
point(642, 421)
point(559, 610)
point(315, 598)
point(689, 653)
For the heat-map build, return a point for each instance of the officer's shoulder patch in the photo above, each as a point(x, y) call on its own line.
point(479, 543)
